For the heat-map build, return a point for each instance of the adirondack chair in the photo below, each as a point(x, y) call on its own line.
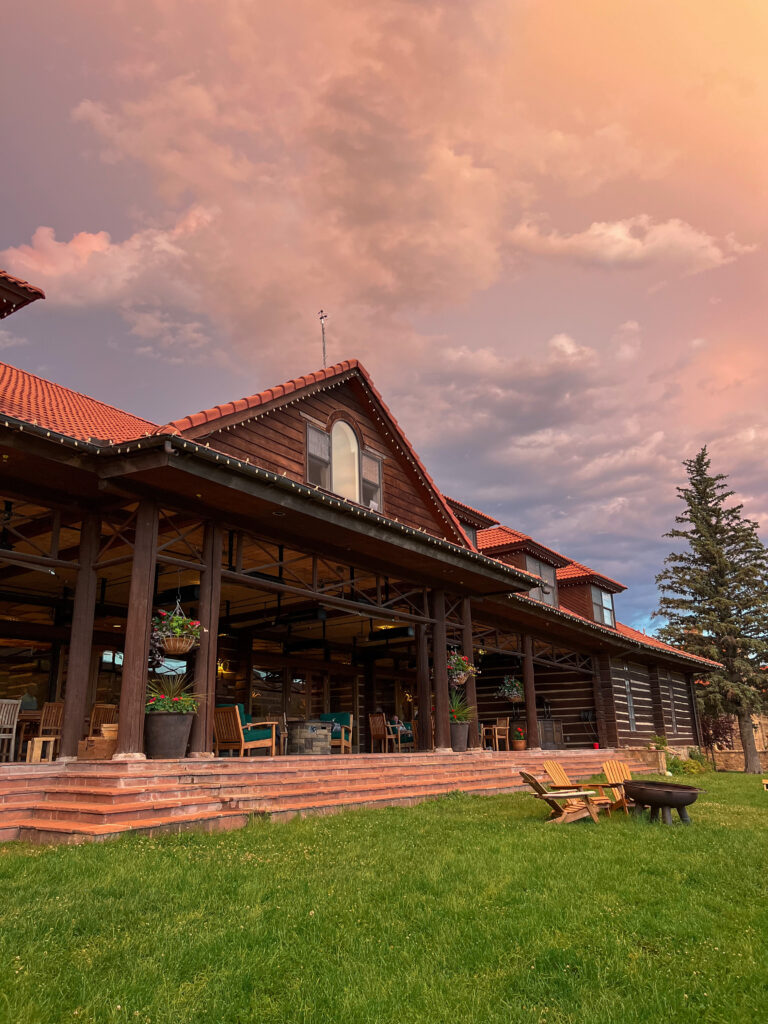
point(560, 780)
point(229, 734)
point(380, 732)
point(101, 714)
point(617, 772)
point(566, 805)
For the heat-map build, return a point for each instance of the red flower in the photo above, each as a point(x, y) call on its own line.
point(162, 696)
point(177, 698)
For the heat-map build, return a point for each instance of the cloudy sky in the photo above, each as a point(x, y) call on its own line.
point(540, 225)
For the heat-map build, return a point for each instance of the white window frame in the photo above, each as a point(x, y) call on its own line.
point(600, 607)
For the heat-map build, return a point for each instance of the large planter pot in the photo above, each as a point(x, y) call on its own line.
point(519, 744)
point(459, 736)
point(166, 734)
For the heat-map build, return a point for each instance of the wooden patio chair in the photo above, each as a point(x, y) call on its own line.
point(229, 734)
point(283, 737)
point(44, 745)
point(9, 719)
point(617, 773)
point(101, 714)
point(566, 805)
point(560, 780)
point(497, 733)
point(380, 732)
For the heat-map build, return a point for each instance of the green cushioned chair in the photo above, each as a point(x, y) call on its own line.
point(228, 733)
point(341, 734)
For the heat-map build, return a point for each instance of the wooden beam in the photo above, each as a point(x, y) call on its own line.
point(529, 689)
point(137, 633)
point(423, 689)
point(440, 671)
point(470, 688)
point(657, 706)
point(81, 637)
point(201, 741)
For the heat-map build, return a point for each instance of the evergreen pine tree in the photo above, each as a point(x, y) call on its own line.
point(714, 598)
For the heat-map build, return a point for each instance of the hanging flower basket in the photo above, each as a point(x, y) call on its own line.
point(510, 689)
point(176, 632)
point(460, 668)
point(178, 644)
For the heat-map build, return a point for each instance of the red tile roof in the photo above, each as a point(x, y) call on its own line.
point(482, 516)
point(499, 537)
point(261, 398)
point(27, 397)
point(576, 571)
point(15, 293)
point(621, 630)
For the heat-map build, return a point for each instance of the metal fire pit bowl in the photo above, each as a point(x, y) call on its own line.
point(662, 796)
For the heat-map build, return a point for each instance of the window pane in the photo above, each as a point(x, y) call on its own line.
point(345, 462)
point(318, 458)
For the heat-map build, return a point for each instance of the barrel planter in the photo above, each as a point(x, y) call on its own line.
point(166, 734)
point(459, 736)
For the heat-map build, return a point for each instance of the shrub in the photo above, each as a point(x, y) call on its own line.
point(683, 766)
point(696, 755)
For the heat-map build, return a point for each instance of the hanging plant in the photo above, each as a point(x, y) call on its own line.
point(510, 689)
point(177, 633)
point(460, 668)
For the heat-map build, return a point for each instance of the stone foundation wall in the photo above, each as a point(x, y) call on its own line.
point(733, 760)
point(656, 759)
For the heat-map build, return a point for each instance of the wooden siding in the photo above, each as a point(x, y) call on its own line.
point(640, 687)
point(679, 728)
point(566, 699)
point(277, 442)
point(577, 599)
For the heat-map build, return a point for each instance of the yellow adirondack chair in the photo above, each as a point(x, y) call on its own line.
point(617, 772)
point(565, 805)
point(560, 780)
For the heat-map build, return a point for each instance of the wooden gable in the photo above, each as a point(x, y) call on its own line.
point(275, 438)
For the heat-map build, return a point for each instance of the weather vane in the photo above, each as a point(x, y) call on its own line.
point(323, 316)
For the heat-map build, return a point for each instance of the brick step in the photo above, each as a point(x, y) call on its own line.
point(101, 813)
point(69, 831)
point(278, 772)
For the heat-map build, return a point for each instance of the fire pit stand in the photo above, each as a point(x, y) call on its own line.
point(661, 797)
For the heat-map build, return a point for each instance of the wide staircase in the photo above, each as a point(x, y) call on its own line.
point(95, 800)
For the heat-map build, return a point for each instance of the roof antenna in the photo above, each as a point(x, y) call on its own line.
point(323, 316)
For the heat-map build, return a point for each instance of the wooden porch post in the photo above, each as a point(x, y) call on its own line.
point(81, 637)
point(529, 689)
point(657, 706)
point(201, 741)
point(440, 667)
point(423, 689)
point(607, 726)
point(690, 682)
point(130, 738)
point(470, 687)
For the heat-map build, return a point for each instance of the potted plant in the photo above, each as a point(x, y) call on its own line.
point(176, 632)
point(518, 737)
point(168, 716)
point(460, 714)
point(510, 689)
point(460, 668)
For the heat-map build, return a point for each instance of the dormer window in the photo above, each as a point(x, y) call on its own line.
point(336, 463)
point(547, 593)
point(602, 607)
point(345, 461)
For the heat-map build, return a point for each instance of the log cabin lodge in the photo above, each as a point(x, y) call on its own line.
point(328, 570)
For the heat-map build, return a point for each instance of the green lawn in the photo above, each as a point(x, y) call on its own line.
point(466, 909)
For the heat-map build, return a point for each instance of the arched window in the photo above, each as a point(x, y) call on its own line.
point(345, 461)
